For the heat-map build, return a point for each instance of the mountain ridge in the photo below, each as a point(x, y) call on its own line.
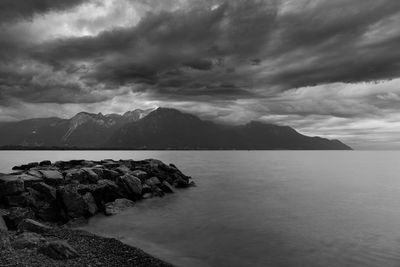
point(162, 128)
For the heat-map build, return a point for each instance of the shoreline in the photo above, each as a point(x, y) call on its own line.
point(93, 250)
point(42, 202)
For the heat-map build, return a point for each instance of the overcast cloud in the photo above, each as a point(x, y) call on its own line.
point(328, 68)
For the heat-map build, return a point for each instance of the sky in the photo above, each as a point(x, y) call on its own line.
point(326, 68)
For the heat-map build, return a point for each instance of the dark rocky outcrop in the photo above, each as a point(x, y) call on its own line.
point(69, 190)
point(41, 200)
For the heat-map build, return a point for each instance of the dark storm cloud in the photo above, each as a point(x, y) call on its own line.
point(254, 54)
point(198, 44)
point(12, 10)
point(319, 43)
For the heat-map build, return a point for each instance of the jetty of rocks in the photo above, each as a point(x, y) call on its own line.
point(38, 197)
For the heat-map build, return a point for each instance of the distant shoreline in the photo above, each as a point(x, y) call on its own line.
point(17, 148)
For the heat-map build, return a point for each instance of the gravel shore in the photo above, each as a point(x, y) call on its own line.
point(93, 251)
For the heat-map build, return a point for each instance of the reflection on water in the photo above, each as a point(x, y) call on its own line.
point(275, 208)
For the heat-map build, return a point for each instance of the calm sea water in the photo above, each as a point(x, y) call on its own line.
point(275, 208)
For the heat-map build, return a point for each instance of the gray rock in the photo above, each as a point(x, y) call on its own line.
point(35, 173)
point(83, 176)
point(90, 203)
point(117, 206)
point(45, 163)
point(146, 189)
point(123, 170)
point(17, 215)
point(91, 176)
point(50, 212)
point(147, 195)
point(58, 250)
point(111, 174)
point(166, 187)
point(130, 185)
point(27, 240)
point(153, 181)
point(75, 204)
point(29, 225)
point(157, 191)
point(110, 164)
point(106, 191)
point(11, 185)
point(99, 171)
point(52, 177)
point(47, 191)
point(142, 175)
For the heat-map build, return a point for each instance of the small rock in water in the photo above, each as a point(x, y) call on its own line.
point(118, 206)
point(166, 187)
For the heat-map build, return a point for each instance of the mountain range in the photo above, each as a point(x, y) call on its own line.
point(158, 129)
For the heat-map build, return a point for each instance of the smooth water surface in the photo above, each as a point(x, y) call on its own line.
point(261, 208)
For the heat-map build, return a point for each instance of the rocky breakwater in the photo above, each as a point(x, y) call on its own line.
point(37, 195)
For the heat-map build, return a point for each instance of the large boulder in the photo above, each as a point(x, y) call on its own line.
point(118, 206)
point(47, 191)
point(27, 241)
point(29, 225)
point(106, 191)
point(11, 185)
point(130, 185)
point(58, 250)
point(52, 177)
point(16, 215)
point(75, 204)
